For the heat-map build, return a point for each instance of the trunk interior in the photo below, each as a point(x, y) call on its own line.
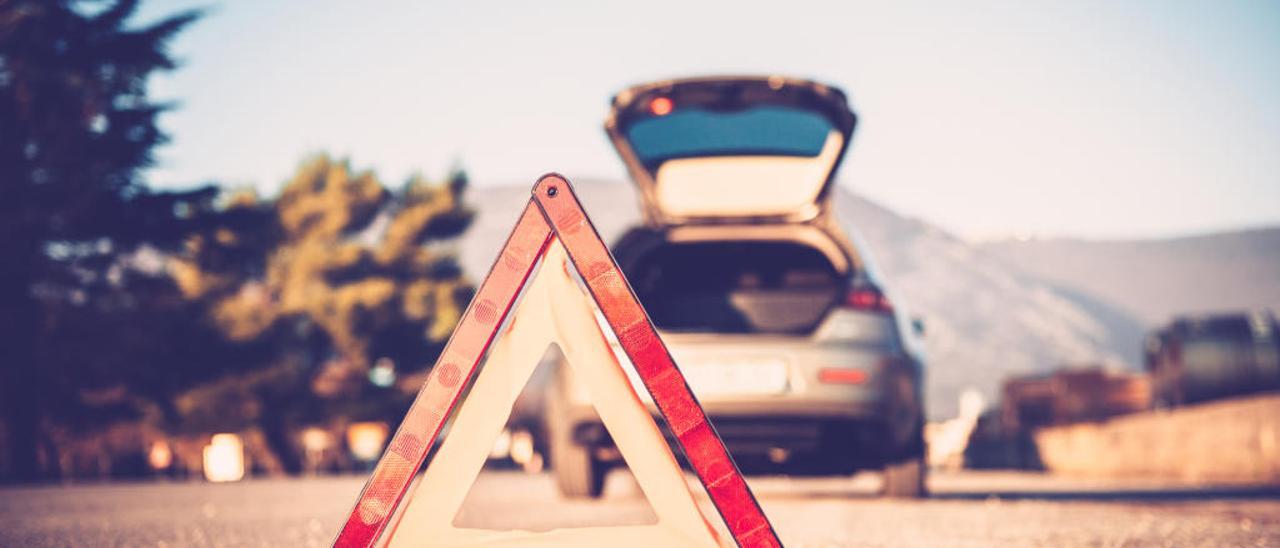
point(735, 287)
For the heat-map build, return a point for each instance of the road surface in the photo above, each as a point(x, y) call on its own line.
point(967, 509)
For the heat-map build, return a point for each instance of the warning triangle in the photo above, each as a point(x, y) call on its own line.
point(551, 307)
point(552, 240)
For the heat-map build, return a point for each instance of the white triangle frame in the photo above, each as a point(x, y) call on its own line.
point(553, 309)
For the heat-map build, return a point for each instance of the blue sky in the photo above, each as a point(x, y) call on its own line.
point(992, 120)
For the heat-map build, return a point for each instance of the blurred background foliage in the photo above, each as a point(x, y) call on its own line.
point(335, 275)
point(198, 310)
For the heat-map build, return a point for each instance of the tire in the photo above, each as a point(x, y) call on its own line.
point(905, 480)
point(578, 473)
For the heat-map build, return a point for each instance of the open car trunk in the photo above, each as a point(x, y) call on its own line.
point(713, 150)
point(776, 287)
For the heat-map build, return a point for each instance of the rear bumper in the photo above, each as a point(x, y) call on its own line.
point(810, 427)
point(815, 444)
point(867, 408)
point(801, 446)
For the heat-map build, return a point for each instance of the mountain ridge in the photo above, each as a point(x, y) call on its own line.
point(988, 315)
point(1156, 279)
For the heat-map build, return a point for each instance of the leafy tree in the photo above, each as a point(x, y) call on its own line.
point(81, 304)
point(335, 275)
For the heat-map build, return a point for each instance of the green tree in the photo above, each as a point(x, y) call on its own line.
point(333, 276)
point(76, 222)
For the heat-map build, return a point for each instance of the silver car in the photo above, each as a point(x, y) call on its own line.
point(779, 322)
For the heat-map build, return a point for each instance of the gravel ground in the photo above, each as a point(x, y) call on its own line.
point(968, 509)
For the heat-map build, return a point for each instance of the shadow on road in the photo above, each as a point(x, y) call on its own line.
point(979, 487)
point(1122, 495)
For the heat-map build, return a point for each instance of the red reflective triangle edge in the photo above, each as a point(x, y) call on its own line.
point(543, 217)
point(452, 372)
point(696, 436)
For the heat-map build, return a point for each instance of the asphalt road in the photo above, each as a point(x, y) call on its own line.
point(968, 509)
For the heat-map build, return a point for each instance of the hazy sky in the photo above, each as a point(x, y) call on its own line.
point(1087, 119)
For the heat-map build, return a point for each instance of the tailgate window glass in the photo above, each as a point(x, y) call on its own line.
point(697, 132)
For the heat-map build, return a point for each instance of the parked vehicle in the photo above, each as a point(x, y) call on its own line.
point(1202, 358)
point(1071, 395)
point(780, 323)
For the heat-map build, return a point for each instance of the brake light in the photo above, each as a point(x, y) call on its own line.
point(868, 299)
point(661, 106)
point(837, 375)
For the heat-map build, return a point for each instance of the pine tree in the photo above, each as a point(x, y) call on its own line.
point(76, 128)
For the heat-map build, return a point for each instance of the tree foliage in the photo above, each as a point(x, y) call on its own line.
point(335, 274)
point(76, 222)
point(197, 310)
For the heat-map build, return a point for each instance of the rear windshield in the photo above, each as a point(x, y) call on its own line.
point(1225, 341)
point(756, 287)
point(697, 132)
point(1242, 328)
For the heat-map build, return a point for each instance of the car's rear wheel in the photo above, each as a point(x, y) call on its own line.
point(578, 473)
point(905, 479)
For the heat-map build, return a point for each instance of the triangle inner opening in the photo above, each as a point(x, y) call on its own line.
point(503, 494)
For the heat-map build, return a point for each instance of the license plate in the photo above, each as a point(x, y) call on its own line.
point(747, 377)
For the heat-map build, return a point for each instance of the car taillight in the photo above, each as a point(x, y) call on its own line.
point(839, 375)
point(868, 299)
